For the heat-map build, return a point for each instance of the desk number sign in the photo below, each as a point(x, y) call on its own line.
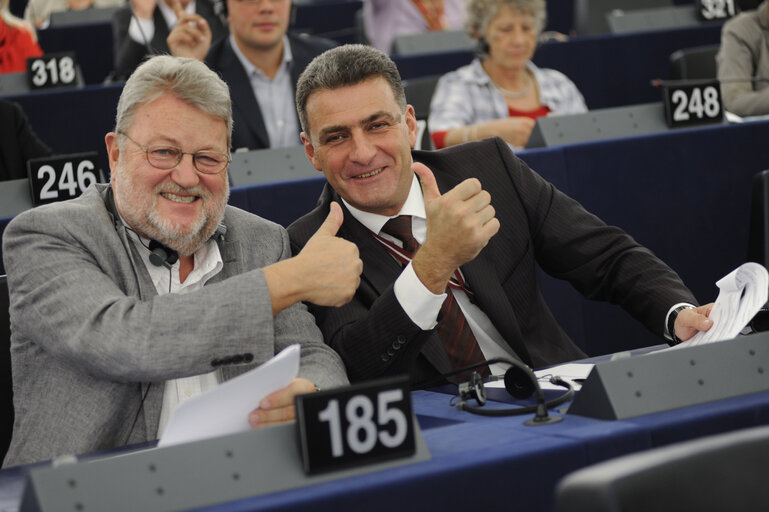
point(710, 10)
point(52, 70)
point(357, 425)
point(691, 104)
point(57, 178)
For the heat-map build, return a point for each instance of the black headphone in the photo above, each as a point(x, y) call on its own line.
point(161, 255)
point(521, 383)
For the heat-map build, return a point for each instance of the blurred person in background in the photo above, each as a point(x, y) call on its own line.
point(17, 41)
point(260, 61)
point(744, 54)
point(383, 20)
point(141, 28)
point(501, 93)
point(38, 12)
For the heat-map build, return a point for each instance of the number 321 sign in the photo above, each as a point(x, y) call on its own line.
point(361, 424)
point(58, 178)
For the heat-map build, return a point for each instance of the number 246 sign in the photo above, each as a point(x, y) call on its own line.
point(58, 178)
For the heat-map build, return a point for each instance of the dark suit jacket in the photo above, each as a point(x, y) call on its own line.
point(249, 130)
point(129, 54)
point(18, 143)
point(539, 224)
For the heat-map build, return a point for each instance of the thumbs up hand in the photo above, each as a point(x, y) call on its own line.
point(332, 264)
point(459, 224)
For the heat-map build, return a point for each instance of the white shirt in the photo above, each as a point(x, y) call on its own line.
point(275, 98)
point(420, 304)
point(207, 263)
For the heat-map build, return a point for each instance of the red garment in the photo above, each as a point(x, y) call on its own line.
point(16, 44)
point(439, 138)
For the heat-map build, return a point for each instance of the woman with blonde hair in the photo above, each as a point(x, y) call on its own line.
point(500, 93)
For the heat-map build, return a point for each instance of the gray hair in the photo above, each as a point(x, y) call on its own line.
point(188, 79)
point(481, 12)
point(344, 66)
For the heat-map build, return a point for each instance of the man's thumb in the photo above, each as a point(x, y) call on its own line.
point(333, 221)
point(427, 179)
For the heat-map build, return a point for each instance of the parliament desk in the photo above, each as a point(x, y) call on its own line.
point(485, 462)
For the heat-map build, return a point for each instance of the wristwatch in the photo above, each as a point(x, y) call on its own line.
point(674, 340)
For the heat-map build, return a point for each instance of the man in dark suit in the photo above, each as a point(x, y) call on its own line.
point(483, 220)
point(260, 62)
point(141, 27)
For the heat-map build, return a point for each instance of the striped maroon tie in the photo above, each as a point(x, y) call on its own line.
point(458, 339)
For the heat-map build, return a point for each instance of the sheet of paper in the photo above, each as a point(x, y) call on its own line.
point(741, 294)
point(224, 410)
point(574, 373)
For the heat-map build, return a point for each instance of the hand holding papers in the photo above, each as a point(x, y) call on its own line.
point(742, 293)
point(224, 410)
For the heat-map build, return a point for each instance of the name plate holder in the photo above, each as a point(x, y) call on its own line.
point(670, 379)
point(189, 476)
point(692, 102)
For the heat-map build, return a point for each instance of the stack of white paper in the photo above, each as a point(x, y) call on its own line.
point(741, 294)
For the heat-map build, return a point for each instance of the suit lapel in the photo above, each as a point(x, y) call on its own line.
point(380, 270)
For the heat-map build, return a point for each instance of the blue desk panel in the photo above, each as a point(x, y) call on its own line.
point(491, 463)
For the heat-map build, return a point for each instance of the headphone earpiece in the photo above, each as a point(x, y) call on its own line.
point(162, 256)
point(518, 383)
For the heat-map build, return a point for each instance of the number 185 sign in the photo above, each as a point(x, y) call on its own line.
point(361, 424)
point(58, 178)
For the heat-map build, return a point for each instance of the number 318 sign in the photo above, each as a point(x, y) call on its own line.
point(356, 425)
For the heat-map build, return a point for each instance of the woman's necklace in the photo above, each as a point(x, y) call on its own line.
point(515, 95)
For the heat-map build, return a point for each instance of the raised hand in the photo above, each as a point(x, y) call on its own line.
point(459, 224)
point(191, 36)
point(326, 272)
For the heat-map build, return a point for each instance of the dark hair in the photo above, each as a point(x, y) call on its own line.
point(345, 66)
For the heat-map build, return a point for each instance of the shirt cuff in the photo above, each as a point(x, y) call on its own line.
point(420, 304)
point(141, 31)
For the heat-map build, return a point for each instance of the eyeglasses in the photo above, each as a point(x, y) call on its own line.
point(168, 157)
point(256, 2)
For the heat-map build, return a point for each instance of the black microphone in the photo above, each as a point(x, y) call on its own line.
point(161, 255)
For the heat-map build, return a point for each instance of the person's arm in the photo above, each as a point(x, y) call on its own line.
point(452, 112)
point(735, 58)
point(326, 272)
point(601, 261)
point(67, 298)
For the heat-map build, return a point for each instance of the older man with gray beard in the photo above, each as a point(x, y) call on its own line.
point(136, 296)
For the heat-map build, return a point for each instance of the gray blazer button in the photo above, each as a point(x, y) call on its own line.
point(248, 357)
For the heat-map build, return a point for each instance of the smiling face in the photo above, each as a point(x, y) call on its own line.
point(512, 38)
point(179, 207)
point(361, 140)
point(258, 24)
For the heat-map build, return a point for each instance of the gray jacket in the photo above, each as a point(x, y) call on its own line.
point(744, 53)
point(90, 333)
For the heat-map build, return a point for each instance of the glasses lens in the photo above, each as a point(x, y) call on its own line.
point(163, 157)
point(210, 162)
